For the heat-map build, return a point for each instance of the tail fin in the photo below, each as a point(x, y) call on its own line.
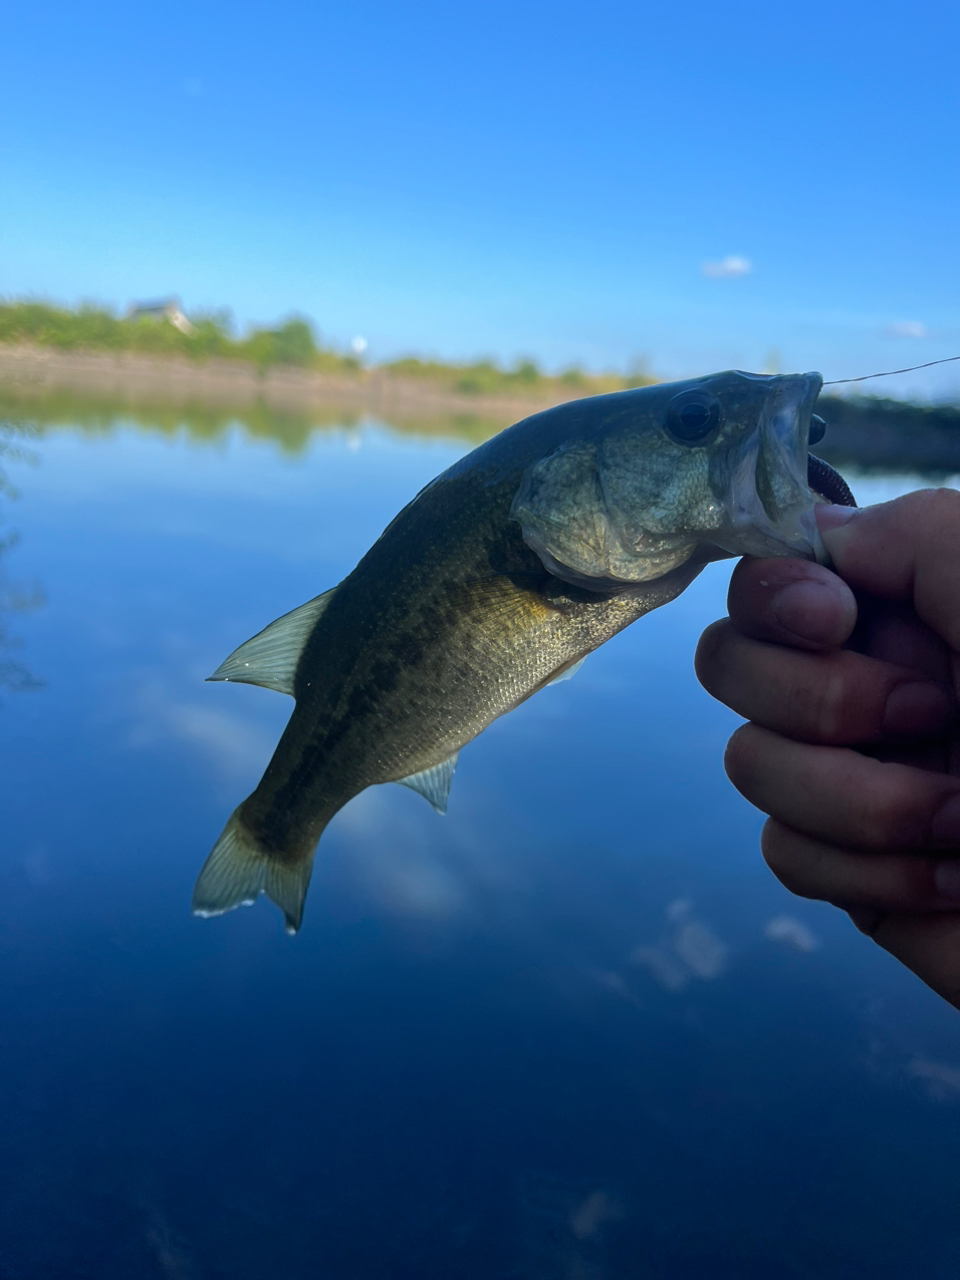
point(238, 870)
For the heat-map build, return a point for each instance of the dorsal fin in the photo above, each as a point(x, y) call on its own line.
point(270, 658)
point(434, 783)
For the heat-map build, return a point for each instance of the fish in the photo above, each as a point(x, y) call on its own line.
point(498, 579)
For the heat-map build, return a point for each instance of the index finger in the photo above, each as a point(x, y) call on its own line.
point(907, 550)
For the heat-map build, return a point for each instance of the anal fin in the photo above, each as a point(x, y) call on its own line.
point(567, 673)
point(433, 783)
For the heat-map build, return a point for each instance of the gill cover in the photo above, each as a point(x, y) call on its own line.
point(698, 470)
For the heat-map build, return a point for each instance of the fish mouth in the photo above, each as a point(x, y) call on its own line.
point(768, 501)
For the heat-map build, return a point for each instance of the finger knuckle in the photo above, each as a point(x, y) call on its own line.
point(825, 707)
point(937, 505)
point(927, 514)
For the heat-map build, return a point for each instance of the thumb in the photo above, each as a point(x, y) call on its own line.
point(907, 550)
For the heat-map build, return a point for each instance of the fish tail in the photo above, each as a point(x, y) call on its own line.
point(238, 870)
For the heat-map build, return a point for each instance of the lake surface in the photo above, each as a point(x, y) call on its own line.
point(574, 1030)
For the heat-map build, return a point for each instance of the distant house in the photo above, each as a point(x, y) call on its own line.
point(164, 309)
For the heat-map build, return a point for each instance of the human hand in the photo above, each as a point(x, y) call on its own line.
point(850, 681)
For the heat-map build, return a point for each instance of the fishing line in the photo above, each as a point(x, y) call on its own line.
point(835, 382)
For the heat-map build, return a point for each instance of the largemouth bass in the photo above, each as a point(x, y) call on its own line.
point(497, 579)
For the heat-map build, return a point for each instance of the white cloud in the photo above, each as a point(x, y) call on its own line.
point(906, 329)
point(728, 268)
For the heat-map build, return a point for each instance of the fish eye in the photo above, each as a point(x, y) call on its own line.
point(692, 417)
point(818, 429)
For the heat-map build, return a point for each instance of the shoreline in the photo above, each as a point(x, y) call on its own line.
point(286, 403)
point(30, 372)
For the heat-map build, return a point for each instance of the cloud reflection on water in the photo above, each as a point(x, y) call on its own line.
point(397, 865)
point(232, 744)
point(690, 950)
point(792, 933)
point(942, 1081)
point(590, 1215)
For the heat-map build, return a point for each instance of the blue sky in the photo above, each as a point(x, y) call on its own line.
point(508, 179)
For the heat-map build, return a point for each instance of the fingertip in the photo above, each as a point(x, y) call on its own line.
point(818, 614)
point(708, 646)
point(778, 848)
point(792, 602)
point(903, 549)
point(739, 751)
point(919, 708)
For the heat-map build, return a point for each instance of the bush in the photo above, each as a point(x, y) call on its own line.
point(292, 343)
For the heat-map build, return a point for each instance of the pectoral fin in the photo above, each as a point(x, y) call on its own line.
point(434, 783)
point(270, 658)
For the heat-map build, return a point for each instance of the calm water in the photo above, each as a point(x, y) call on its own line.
point(572, 1031)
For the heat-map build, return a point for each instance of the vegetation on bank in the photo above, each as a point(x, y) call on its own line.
point(485, 377)
point(208, 336)
point(293, 343)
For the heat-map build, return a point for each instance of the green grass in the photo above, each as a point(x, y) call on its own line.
point(292, 343)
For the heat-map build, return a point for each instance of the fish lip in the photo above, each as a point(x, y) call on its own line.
point(769, 504)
